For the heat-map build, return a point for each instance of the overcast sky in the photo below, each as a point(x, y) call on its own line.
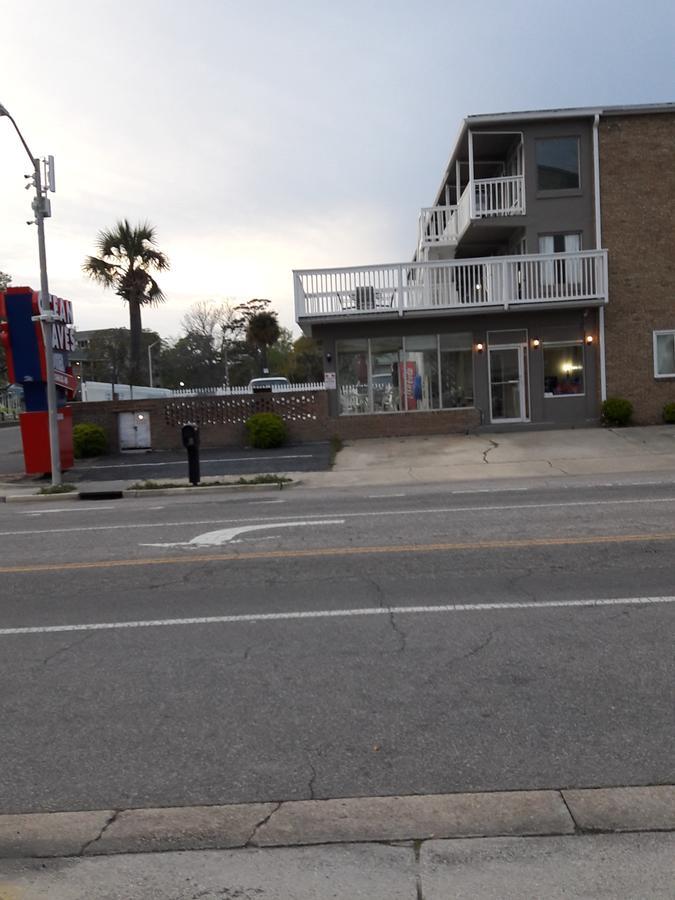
point(260, 136)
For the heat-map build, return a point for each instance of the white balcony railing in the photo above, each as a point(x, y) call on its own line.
point(499, 197)
point(481, 198)
point(452, 285)
point(438, 225)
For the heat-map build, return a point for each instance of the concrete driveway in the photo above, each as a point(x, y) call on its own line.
point(441, 458)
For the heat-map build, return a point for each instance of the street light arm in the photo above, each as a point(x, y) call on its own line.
point(4, 112)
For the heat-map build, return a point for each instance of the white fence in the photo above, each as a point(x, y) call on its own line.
point(97, 390)
point(499, 281)
point(242, 391)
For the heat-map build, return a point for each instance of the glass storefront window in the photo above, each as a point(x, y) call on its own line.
point(395, 374)
point(563, 370)
point(386, 355)
point(352, 369)
point(456, 370)
point(421, 372)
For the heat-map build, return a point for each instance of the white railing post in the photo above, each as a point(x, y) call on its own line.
point(400, 291)
point(470, 187)
point(299, 296)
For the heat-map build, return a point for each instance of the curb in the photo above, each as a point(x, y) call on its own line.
point(350, 820)
point(209, 489)
point(154, 492)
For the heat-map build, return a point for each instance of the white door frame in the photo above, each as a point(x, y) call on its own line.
point(523, 397)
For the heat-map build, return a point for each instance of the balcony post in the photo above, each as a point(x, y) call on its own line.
point(472, 199)
point(400, 290)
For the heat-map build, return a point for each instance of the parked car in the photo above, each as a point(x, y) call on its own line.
point(270, 381)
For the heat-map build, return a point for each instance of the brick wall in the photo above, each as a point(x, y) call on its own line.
point(637, 178)
point(221, 419)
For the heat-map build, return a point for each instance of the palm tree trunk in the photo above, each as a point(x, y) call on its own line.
point(135, 330)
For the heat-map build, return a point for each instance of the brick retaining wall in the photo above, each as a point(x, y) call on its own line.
point(221, 419)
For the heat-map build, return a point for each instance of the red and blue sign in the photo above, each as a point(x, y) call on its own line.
point(26, 366)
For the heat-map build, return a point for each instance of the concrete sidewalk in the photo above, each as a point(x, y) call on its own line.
point(498, 845)
point(602, 867)
point(550, 454)
point(570, 454)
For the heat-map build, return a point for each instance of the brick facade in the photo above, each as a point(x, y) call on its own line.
point(637, 180)
point(221, 419)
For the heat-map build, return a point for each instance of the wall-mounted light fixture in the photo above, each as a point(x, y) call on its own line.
point(535, 343)
point(140, 417)
point(329, 357)
point(589, 338)
point(480, 347)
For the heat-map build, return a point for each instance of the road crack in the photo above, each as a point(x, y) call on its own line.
point(261, 824)
point(489, 449)
point(103, 830)
point(70, 646)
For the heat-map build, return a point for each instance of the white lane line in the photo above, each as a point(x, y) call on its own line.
point(348, 515)
point(61, 509)
point(264, 502)
point(179, 462)
point(383, 496)
point(224, 535)
point(339, 614)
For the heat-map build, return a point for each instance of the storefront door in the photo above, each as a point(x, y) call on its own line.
point(508, 384)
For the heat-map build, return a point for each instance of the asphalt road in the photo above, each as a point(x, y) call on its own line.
point(326, 667)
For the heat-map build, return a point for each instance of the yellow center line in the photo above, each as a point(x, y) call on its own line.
point(188, 559)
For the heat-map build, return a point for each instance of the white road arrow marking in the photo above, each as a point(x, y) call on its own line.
point(224, 535)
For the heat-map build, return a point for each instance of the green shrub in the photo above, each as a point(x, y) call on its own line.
point(266, 430)
point(89, 440)
point(617, 411)
point(669, 413)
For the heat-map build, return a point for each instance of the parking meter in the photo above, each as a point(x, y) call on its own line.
point(190, 436)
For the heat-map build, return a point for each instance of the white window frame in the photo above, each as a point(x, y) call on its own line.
point(655, 335)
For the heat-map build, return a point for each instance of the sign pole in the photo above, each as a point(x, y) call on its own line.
point(46, 317)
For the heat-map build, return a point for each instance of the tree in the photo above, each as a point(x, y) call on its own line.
point(5, 281)
point(262, 328)
point(306, 362)
point(127, 257)
point(106, 357)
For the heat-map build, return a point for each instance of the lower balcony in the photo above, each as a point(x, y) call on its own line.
point(452, 286)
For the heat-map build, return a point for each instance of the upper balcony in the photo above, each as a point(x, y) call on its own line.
point(452, 286)
point(482, 198)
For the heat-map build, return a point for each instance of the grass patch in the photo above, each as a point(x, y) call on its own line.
point(255, 479)
point(58, 489)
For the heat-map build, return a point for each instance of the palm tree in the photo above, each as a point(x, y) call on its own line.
point(126, 258)
point(262, 331)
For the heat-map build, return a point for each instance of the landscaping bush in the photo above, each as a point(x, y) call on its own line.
point(266, 430)
point(89, 440)
point(617, 411)
point(669, 413)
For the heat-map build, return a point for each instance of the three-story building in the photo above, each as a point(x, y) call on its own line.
point(543, 281)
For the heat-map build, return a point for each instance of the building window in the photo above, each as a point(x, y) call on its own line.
point(421, 372)
point(386, 355)
point(558, 164)
point(415, 373)
point(562, 271)
point(563, 370)
point(664, 354)
point(352, 369)
point(456, 352)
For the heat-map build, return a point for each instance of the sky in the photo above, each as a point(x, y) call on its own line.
point(267, 135)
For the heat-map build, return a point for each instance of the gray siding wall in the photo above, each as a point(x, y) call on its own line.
point(553, 326)
point(549, 213)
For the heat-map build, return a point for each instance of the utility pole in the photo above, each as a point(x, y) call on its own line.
point(42, 209)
